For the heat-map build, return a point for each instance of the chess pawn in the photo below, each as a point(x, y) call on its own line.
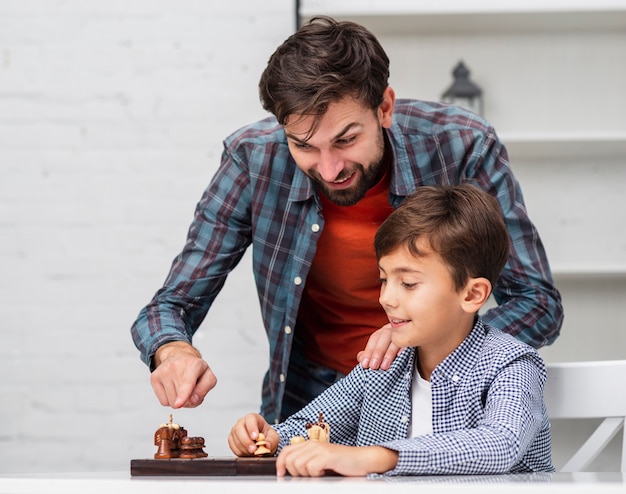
point(261, 446)
point(296, 440)
point(191, 447)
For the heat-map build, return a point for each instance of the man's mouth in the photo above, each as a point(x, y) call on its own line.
point(342, 180)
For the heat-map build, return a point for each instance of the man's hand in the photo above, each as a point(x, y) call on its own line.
point(243, 435)
point(314, 459)
point(379, 351)
point(181, 377)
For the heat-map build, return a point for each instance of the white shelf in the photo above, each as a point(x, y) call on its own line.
point(589, 272)
point(421, 16)
point(565, 145)
point(568, 146)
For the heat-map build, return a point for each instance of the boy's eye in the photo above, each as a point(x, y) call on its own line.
point(301, 145)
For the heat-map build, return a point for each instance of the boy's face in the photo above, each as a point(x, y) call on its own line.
point(420, 299)
point(345, 154)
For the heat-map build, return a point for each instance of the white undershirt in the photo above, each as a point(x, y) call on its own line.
point(421, 406)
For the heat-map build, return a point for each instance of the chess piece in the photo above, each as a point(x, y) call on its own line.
point(319, 431)
point(173, 442)
point(296, 440)
point(261, 446)
point(191, 447)
point(166, 438)
point(162, 441)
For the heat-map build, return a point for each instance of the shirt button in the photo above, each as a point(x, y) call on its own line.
point(407, 375)
point(287, 329)
point(282, 378)
point(456, 378)
point(315, 227)
point(404, 419)
point(297, 281)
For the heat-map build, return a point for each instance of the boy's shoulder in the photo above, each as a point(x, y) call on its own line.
point(497, 338)
point(503, 347)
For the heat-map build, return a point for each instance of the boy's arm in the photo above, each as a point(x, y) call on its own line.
point(314, 459)
point(514, 421)
point(340, 405)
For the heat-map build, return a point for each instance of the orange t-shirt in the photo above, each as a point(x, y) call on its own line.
point(339, 308)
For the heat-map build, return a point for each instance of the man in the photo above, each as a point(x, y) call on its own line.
point(307, 188)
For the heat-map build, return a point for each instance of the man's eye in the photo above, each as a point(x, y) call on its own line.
point(382, 280)
point(302, 145)
point(346, 141)
point(409, 285)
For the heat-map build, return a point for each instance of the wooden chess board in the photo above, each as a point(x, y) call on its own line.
point(210, 466)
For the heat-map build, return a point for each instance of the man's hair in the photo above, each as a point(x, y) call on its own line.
point(321, 63)
point(461, 223)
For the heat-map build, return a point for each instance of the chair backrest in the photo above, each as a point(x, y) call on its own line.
point(580, 390)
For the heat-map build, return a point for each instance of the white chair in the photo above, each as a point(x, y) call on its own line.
point(582, 390)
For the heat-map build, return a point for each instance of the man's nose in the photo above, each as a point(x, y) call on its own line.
point(330, 166)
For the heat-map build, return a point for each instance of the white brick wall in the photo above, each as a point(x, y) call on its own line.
point(112, 114)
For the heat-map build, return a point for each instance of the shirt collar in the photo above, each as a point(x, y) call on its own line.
point(302, 187)
point(458, 364)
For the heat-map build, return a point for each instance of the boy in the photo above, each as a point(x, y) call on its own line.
point(462, 397)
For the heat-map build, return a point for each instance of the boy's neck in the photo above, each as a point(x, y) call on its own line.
point(429, 357)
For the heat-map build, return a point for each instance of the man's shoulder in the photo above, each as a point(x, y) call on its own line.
point(262, 131)
point(432, 117)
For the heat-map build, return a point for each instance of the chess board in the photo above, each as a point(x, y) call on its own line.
point(210, 466)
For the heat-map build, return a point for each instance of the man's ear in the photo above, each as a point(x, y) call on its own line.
point(385, 110)
point(476, 293)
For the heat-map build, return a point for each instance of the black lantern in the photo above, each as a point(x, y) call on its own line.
point(464, 92)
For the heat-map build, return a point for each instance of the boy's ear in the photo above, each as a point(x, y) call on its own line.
point(476, 293)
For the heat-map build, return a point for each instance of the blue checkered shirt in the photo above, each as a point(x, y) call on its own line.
point(260, 197)
point(488, 412)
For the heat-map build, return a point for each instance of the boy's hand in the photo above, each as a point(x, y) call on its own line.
point(243, 435)
point(314, 459)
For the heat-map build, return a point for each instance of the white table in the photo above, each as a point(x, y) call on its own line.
point(123, 483)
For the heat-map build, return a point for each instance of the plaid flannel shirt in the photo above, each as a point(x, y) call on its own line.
point(259, 197)
point(488, 411)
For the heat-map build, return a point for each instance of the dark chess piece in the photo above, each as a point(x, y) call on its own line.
point(191, 447)
point(166, 438)
point(173, 442)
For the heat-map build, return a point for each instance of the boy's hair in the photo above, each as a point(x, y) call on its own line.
point(323, 62)
point(462, 223)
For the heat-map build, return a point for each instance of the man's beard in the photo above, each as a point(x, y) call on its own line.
point(368, 178)
point(349, 197)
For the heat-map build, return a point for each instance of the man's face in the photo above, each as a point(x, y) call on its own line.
point(345, 154)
